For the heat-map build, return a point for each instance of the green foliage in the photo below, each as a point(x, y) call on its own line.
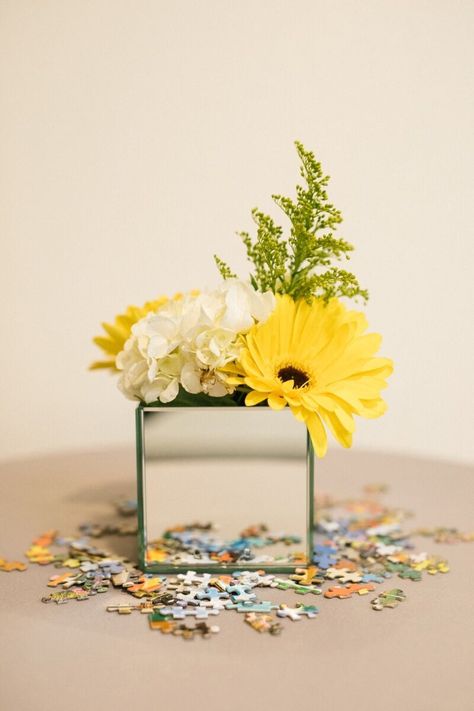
point(225, 271)
point(293, 265)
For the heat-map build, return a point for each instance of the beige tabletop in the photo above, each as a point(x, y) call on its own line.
point(77, 656)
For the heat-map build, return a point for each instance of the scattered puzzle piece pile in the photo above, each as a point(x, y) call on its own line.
point(197, 543)
point(358, 544)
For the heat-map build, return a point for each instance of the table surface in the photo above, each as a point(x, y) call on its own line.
point(77, 656)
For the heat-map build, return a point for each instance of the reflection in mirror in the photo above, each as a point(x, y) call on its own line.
point(223, 487)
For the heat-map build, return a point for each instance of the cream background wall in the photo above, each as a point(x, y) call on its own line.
point(135, 137)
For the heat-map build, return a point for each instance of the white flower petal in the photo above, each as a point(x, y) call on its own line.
point(190, 379)
point(170, 392)
point(217, 390)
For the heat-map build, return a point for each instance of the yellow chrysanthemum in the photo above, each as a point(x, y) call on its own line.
point(316, 359)
point(119, 332)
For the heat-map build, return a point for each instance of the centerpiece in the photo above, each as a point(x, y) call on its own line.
point(281, 344)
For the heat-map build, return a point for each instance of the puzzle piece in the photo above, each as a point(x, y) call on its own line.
point(71, 580)
point(437, 566)
point(62, 596)
point(388, 598)
point(410, 574)
point(328, 526)
point(45, 539)
point(120, 579)
point(219, 584)
point(244, 597)
point(157, 621)
point(401, 557)
point(188, 597)
point(39, 555)
point(385, 550)
point(285, 584)
point(324, 556)
point(307, 576)
point(156, 555)
point(295, 613)
point(262, 623)
point(10, 566)
point(70, 563)
point(215, 603)
point(255, 579)
point(145, 608)
point(343, 575)
point(160, 598)
point(126, 507)
point(432, 564)
point(180, 613)
point(347, 564)
point(211, 594)
point(201, 629)
point(349, 590)
point(263, 606)
point(299, 558)
point(373, 578)
point(177, 587)
point(87, 566)
point(192, 578)
point(144, 585)
point(121, 609)
point(241, 593)
point(56, 580)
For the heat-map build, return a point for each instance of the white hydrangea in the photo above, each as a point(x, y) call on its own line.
point(188, 340)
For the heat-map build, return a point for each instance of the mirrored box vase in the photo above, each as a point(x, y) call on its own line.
point(222, 489)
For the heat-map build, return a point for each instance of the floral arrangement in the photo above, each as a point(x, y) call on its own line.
point(282, 337)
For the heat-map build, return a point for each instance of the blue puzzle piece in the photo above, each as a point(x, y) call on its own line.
point(372, 578)
point(324, 556)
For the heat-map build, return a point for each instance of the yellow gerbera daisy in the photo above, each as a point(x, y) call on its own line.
point(315, 358)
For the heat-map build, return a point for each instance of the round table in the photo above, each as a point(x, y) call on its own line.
point(78, 656)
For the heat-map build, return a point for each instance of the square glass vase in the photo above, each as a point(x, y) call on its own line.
point(222, 489)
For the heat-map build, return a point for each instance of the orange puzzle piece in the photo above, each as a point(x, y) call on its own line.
point(45, 539)
point(145, 585)
point(56, 580)
point(349, 590)
point(8, 567)
point(346, 564)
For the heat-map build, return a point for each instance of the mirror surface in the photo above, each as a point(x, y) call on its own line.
point(224, 486)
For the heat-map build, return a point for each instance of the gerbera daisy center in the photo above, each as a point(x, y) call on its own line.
point(299, 377)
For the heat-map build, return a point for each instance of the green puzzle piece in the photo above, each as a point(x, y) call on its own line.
point(388, 598)
point(283, 584)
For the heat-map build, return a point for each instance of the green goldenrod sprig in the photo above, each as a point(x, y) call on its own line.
point(292, 265)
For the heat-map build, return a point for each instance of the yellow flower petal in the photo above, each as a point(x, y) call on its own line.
point(102, 364)
point(346, 420)
point(234, 380)
point(317, 433)
point(253, 398)
point(259, 383)
point(373, 408)
point(108, 345)
point(276, 402)
point(343, 436)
